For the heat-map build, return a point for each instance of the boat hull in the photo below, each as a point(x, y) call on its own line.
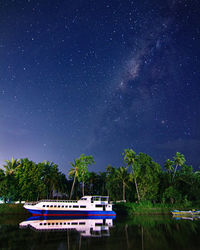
point(37, 212)
point(185, 213)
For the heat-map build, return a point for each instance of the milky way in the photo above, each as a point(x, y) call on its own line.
point(97, 77)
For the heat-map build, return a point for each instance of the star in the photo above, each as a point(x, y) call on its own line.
point(89, 75)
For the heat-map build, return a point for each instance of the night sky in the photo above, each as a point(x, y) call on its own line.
point(96, 77)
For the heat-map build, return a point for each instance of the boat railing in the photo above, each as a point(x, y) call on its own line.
point(60, 201)
point(31, 203)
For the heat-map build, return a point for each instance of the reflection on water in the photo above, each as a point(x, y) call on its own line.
point(138, 232)
point(90, 227)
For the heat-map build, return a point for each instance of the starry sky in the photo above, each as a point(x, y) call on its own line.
point(96, 77)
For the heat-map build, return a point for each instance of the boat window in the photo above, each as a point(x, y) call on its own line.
point(40, 223)
point(99, 198)
point(66, 206)
point(47, 205)
point(82, 206)
point(51, 206)
point(58, 206)
point(64, 223)
point(56, 223)
point(104, 198)
point(53, 223)
point(81, 223)
point(99, 206)
point(96, 233)
point(49, 223)
point(63, 206)
point(45, 224)
point(55, 206)
point(75, 206)
point(43, 205)
point(60, 223)
point(74, 223)
point(70, 206)
point(96, 198)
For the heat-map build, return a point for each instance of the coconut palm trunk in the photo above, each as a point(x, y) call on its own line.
point(72, 189)
point(124, 191)
point(174, 172)
point(83, 188)
point(136, 187)
point(179, 160)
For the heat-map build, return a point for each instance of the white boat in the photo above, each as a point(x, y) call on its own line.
point(86, 206)
point(86, 227)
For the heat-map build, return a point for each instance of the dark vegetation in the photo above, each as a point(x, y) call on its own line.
point(12, 209)
point(143, 183)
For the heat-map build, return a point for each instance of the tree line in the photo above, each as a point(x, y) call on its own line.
point(139, 179)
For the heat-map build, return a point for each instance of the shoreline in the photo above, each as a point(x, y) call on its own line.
point(132, 209)
point(12, 209)
point(121, 209)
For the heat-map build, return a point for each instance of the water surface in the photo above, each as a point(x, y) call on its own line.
point(138, 232)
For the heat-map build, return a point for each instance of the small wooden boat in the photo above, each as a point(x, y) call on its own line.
point(185, 213)
point(179, 217)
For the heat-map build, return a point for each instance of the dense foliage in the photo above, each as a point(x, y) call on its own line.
point(25, 180)
point(139, 180)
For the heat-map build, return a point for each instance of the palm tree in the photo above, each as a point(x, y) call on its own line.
point(93, 179)
point(179, 160)
point(10, 181)
point(73, 172)
point(130, 160)
point(110, 176)
point(11, 166)
point(102, 182)
point(83, 174)
point(50, 176)
point(62, 183)
point(169, 165)
point(122, 175)
point(3, 186)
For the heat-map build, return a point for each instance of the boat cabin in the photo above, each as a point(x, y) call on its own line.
point(95, 199)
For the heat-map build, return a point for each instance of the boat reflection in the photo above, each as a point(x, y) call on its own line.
point(88, 227)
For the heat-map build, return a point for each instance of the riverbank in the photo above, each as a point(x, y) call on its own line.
point(12, 209)
point(147, 208)
point(126, 209)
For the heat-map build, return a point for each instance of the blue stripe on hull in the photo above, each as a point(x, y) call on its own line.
point(71, 213)
point(39, 217)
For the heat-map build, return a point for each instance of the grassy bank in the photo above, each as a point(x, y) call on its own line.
point(12, 209)
point(148, 208)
